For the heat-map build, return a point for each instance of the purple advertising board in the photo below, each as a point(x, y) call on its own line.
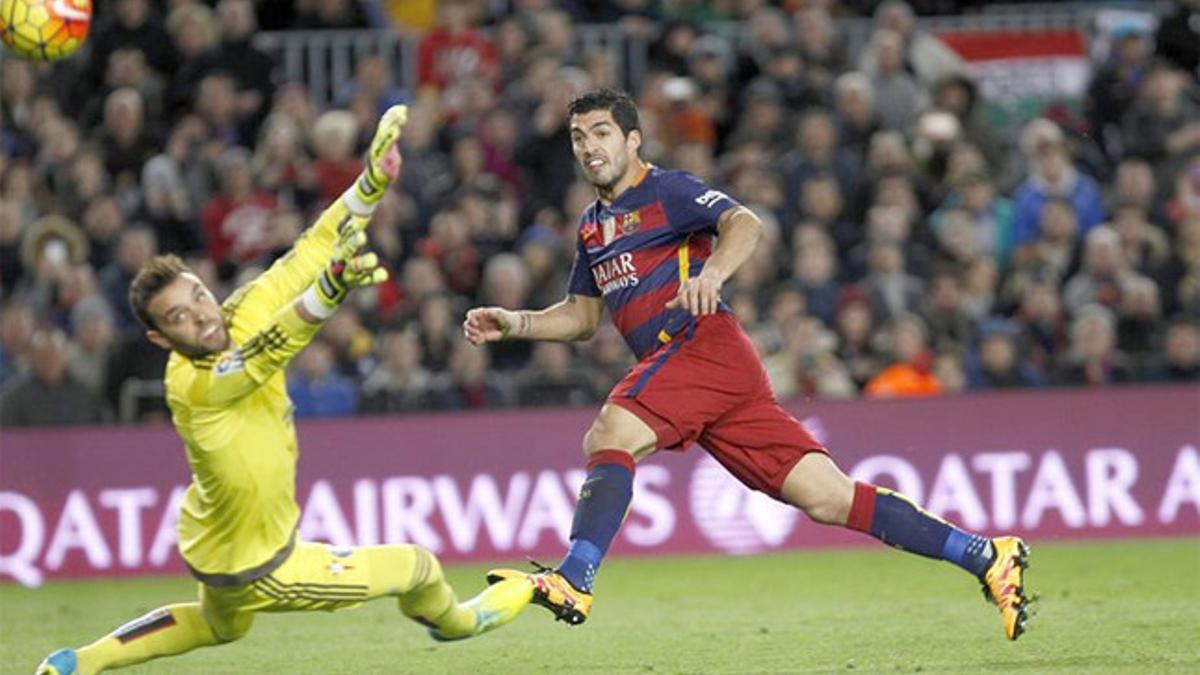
point(497, 486)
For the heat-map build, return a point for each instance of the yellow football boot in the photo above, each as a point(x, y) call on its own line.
point(552, 591)
point(1004, 583)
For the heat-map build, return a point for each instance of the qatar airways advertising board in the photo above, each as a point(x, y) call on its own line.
point(498, 486)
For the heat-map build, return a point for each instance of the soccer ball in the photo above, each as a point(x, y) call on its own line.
point(44, 30)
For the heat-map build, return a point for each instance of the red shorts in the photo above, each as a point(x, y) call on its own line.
point(708, 386)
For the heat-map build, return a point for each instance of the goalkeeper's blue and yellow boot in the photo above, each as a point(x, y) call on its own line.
point(61, 662)
point(496, 606)
point(552, 591)
point(1004, 583)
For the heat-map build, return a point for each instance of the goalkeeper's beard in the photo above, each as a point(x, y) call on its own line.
point(198, 349)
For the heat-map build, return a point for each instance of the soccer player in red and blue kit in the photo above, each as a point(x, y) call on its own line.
point(655, 248)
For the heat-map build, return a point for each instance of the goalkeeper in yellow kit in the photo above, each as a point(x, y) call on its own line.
point(228, 400)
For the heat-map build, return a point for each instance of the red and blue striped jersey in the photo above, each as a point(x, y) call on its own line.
point(636, 251)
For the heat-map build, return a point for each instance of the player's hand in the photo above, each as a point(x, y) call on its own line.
point(383, 157)
point(350, 267)
point(700, 295)
point(490, 324)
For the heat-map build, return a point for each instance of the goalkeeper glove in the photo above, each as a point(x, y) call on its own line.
point(373, 182)
point(348, 268)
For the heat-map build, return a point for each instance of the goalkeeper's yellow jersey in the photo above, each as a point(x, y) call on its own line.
point(239, 515)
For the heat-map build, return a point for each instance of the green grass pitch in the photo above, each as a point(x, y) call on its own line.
point(1106, 607)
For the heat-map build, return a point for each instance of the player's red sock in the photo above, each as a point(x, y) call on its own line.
point(896, 521)
point(603, 501)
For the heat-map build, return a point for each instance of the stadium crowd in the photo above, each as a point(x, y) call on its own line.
point(912, 248)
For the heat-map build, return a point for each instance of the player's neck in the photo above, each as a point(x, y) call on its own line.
point(632, 177)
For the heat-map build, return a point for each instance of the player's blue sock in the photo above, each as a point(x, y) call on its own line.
point(896, 521)
point(603, 501)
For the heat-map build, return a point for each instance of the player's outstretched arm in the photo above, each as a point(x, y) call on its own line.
point(575, 317)
point(738, 230)
point(240, 371)
point(292, 273)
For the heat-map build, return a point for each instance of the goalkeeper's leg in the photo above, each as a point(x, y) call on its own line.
point(166, 631)
point(424, 595)
point(323, 577)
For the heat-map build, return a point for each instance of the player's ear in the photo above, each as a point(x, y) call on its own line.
point(158, 339)
point(633, 140)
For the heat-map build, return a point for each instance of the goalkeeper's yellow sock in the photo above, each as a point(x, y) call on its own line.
point(429, 600)
point(166, 631)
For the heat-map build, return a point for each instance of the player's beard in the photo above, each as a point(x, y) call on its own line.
point(198, 349)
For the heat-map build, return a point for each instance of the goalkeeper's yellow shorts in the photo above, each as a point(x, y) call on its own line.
point(314, 577)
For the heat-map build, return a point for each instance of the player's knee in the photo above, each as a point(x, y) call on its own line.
point(427, 569)
point(233, 628)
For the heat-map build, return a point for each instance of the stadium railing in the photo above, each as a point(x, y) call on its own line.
point(324, 59)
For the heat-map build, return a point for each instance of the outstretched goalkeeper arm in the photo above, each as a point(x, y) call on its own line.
point(225, 377)
point(289, 275)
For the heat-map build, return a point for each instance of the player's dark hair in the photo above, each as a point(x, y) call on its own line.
point(152, 278)
point(622, 107)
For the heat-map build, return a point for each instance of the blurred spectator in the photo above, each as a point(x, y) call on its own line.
point(93, 330)
point(374, 81)
point(1102, 275)
point(824, 55)
point(17, 322)
point(48, 395)
point(1055, 254)
point(134, 248)
point(987, 216)
point(52, 251)
point(816, 268)
point(236, 219)
point(337, 166)
point(925, 55)
point(855, 329)
point(860, 111)
point(1052, 175)
point(1115, 86)
point(892, 290)
point(351, 344)
point(897, 93)
point(1040, 313)
point(909, 373)
point(1135, 185)
point(126, 142)
point(449, 246)
point(236, 56)
point(950, 372)
point(132, 24)
point(167, 207)
point(1180, 357)
point(455, 48)
point(944, 309)
point(1163, 124)
point(1093, 358)
point(399, 383)
point(283, 165)
point(1138, 318)
point(315, 386)
point(818, 153)
point(553, 378)
point(959, 96)
point(467, 383)
point(999, 362)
